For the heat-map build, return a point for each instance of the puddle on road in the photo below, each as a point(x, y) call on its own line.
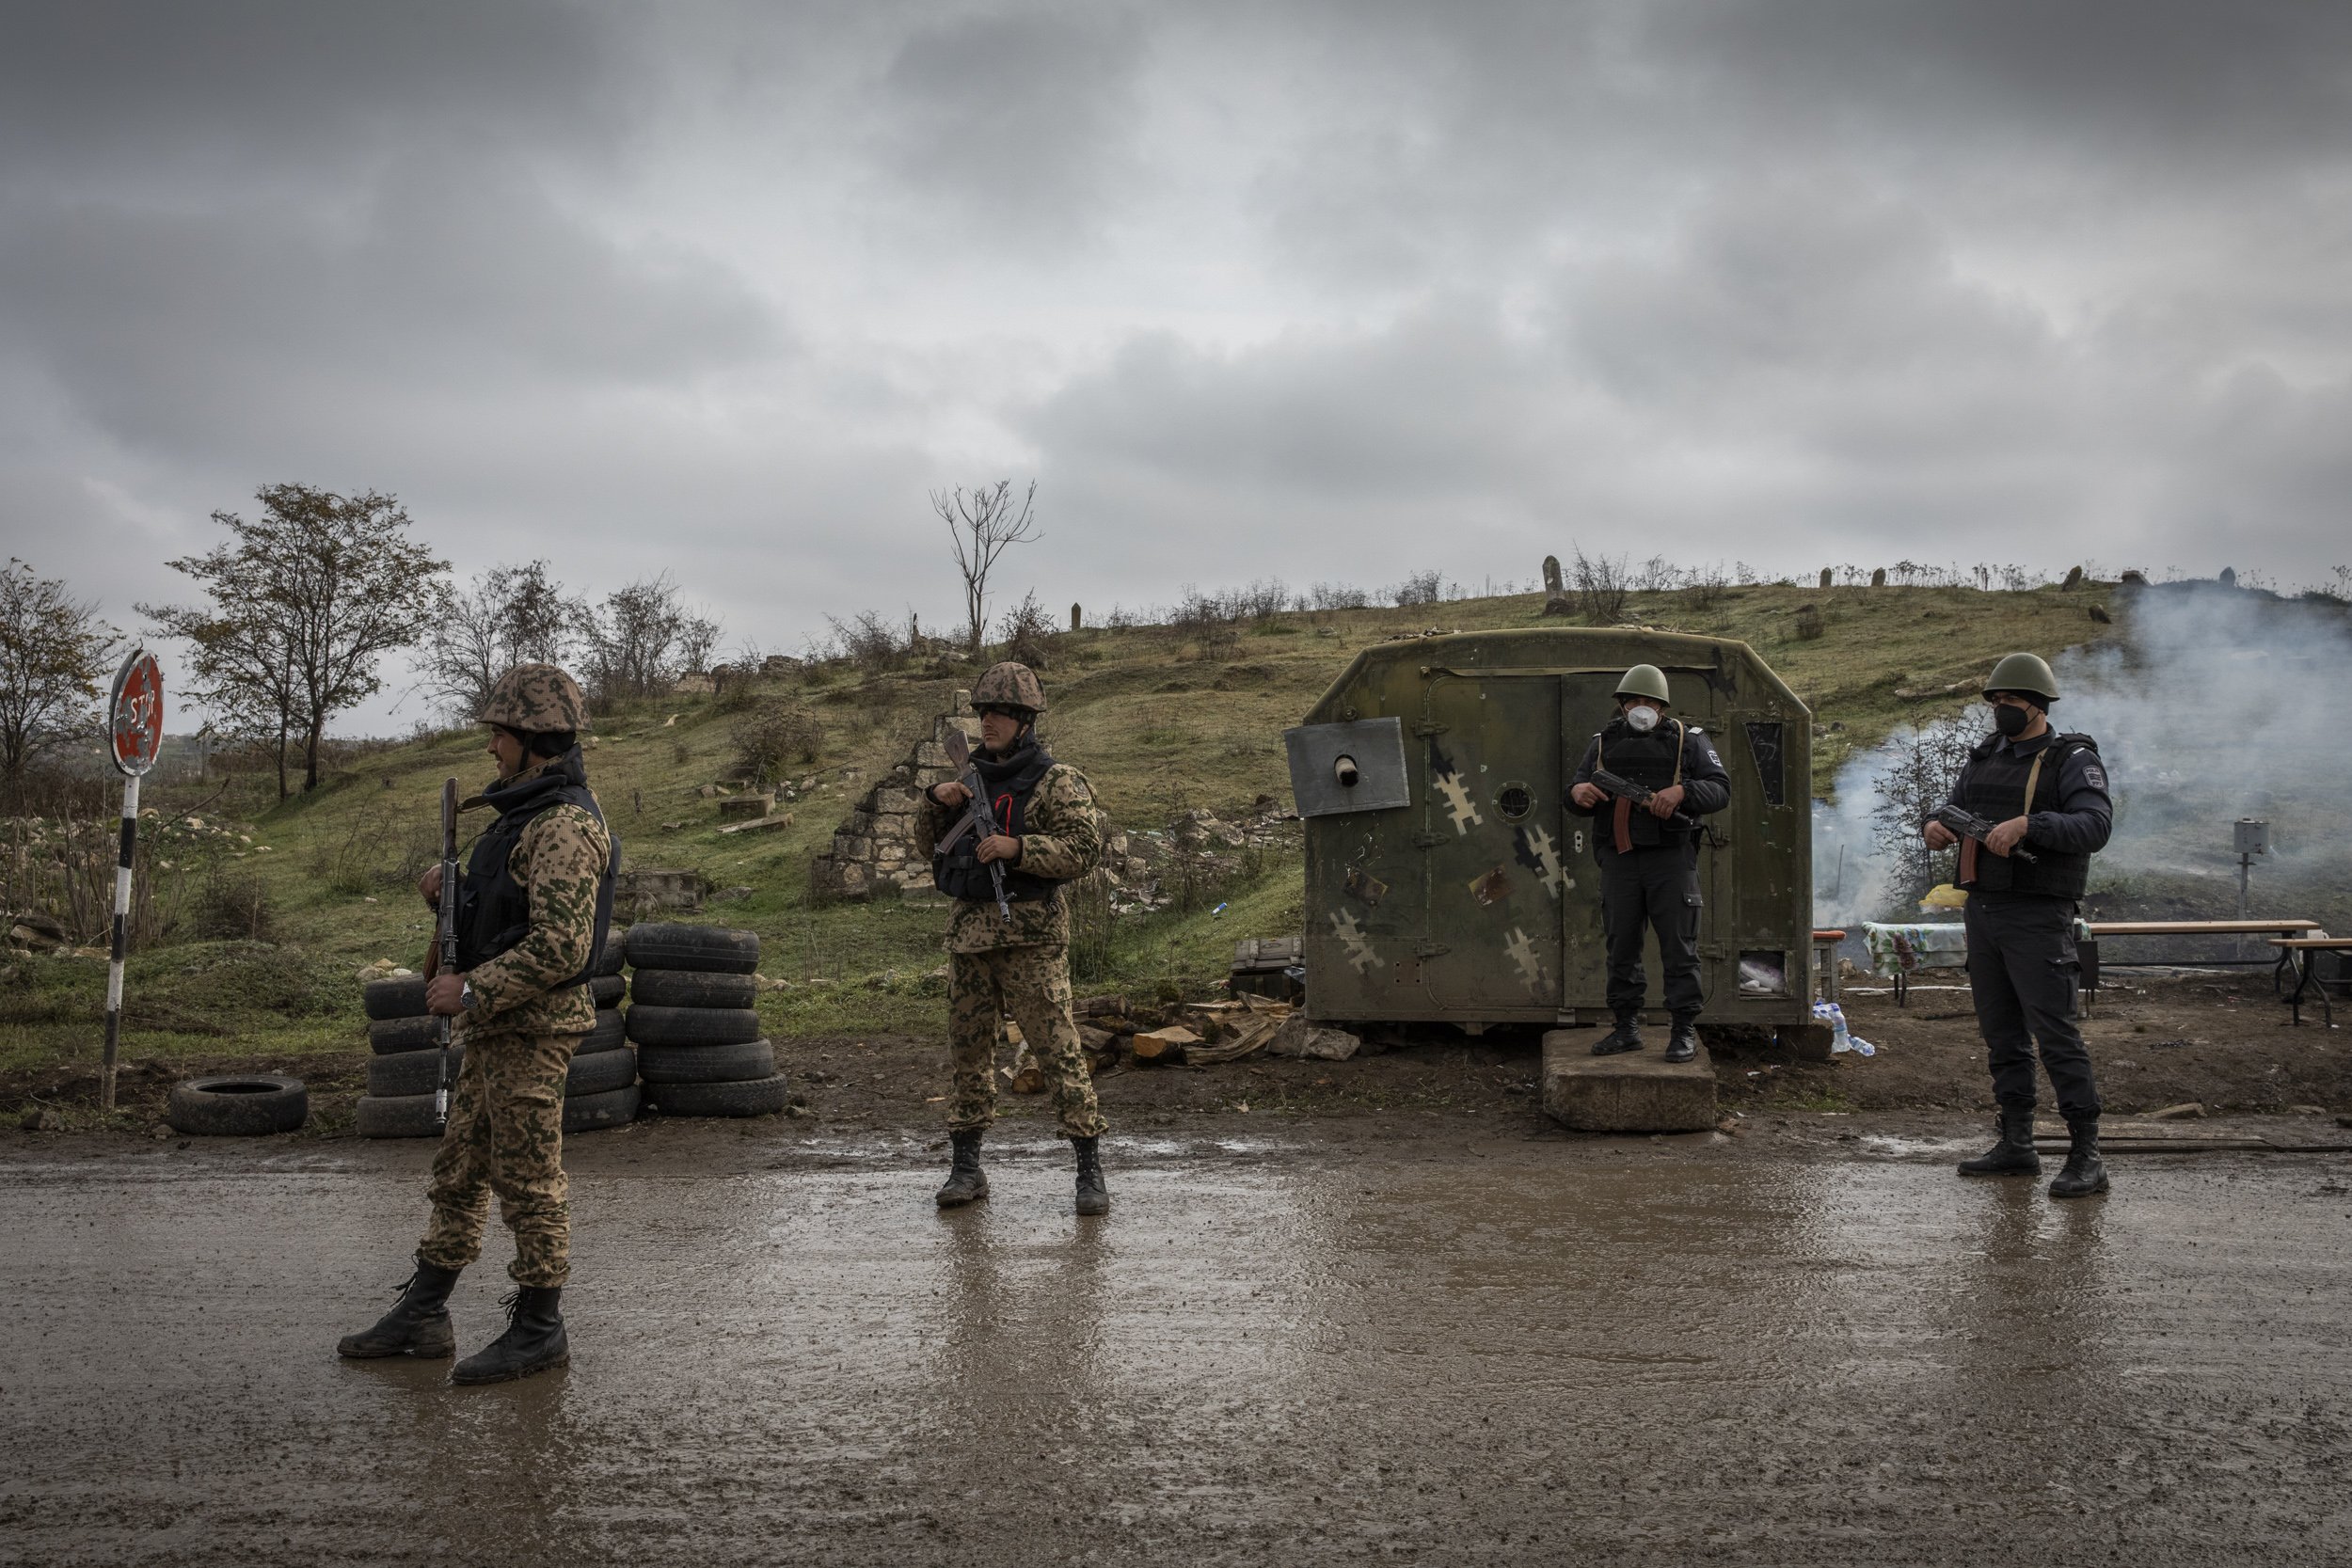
point(1623, 1353)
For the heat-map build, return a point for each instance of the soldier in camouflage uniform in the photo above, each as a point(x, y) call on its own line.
point(535, 905)
point(1018, 964)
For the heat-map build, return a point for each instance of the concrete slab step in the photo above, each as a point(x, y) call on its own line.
point(1636, 1092)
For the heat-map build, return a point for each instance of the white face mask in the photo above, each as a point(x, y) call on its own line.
point(1641, 718)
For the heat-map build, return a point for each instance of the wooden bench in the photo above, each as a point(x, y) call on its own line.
point(2092, 963)
point(2303, 952)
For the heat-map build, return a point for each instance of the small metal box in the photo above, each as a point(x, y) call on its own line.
point(2252, 836)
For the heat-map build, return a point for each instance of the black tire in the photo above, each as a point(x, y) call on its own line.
point(399, 997)
point(615, 954)
point(692, 1025)
point(407, 1072)
point(693, 987)
point(406, 1116)
point(707, 1064)
point(600, 1072)
point(248, 1105)
point(709, 949)
point(388, 1035)
point(608, 1035)
point(588, 1113)
point(758, 1097)
point(607, 990)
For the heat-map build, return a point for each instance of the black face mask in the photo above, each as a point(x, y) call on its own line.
point(2011, 721)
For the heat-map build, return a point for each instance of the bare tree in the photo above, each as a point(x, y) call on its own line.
point(53, 648)
point(983, 525)
point(512, 615)
point(1602, 584)
point(305, 599)
point(641, 639)
point(1919, 777)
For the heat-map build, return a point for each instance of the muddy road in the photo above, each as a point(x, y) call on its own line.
point(1296, 1342)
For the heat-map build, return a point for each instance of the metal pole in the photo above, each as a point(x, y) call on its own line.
point(122, 928)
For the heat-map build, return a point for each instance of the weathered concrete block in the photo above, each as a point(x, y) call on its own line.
point(744, 807)
point(1635, 1092)
point(931, 754)
point(891, 802)
point(853, 847)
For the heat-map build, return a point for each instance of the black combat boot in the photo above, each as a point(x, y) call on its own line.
point(533, 1340)
point(1626, 1035)
point(1094, 1197)
point(965, 1179)
point(2084, 1172)
point(1683, 1044)
point(2013, 1155)
point(418, 1325)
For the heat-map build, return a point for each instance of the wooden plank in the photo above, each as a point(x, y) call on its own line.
point(2197, 927)
point(2314, 944)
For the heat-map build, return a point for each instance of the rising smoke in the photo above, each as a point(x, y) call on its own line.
point(2215, 703)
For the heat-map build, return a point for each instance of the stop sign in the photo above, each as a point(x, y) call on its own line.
point(134, 713)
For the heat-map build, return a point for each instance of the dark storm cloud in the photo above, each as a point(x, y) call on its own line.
point(1341, 288)
point(1023, 124)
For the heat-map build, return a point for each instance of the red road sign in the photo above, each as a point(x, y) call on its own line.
point(134, 714)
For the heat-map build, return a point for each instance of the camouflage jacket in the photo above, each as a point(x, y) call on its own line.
point(1063, 842)
point(559, 863)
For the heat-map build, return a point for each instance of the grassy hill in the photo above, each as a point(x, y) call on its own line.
point(1163, 719)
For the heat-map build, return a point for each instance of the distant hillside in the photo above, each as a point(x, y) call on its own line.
point(1163, 719)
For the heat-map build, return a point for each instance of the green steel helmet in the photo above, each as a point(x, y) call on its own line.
point(1008, 684)
point(2026, 673)
point(1644, 680)
point(536, 699)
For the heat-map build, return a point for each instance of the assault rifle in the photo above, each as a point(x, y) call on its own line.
point(1626, 789)
point(1963, 823)
point(980, 821)
point(445, 952)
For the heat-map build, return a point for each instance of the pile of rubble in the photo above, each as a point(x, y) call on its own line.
point(1114, 1032)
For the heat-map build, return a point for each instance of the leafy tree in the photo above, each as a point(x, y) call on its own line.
point(53, 651)
point(304, 601)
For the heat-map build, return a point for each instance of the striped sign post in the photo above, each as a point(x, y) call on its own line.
point(134, 726)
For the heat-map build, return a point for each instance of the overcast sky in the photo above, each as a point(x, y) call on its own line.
point(1340, 291)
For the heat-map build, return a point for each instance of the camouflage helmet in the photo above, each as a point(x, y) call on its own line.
point(1643, 680)
point(536, 699)
point(2028, 673)
point(1008, 684)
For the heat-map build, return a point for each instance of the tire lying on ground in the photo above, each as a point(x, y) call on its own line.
point(707, 1064)
point(406, 1072)
point(588, 1113)
point(711, 949)
point(387, 1034)
point(607, 990)
point(600, 1072)
point(609, 1034)
point(403, 1116)
point(692, 1025)
point(247, 1106)
point(411, 1116)
point(693, 987)
point(403, 996)
point(756, 1098)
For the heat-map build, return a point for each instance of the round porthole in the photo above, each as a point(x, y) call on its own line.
point(1513, 800)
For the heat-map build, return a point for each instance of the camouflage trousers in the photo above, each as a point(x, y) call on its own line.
point(1032, 984)
point(505, 1135)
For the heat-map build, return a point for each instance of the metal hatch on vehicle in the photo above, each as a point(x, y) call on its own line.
point(1355, 766)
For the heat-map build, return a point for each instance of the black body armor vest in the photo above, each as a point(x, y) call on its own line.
point(493, 909)
point(1993, 786)
point(959, 872)
point(1653, 761)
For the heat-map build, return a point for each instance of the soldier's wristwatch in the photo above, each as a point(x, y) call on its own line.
point(465, 995)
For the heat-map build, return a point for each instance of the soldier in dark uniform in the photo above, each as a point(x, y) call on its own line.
point(2047, 791)
point(1648, 855)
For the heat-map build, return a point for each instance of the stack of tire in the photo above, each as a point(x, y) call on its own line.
point(600, 1091)
point(691, 991)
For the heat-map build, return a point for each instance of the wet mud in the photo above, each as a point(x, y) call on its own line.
point(1298, 1342)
